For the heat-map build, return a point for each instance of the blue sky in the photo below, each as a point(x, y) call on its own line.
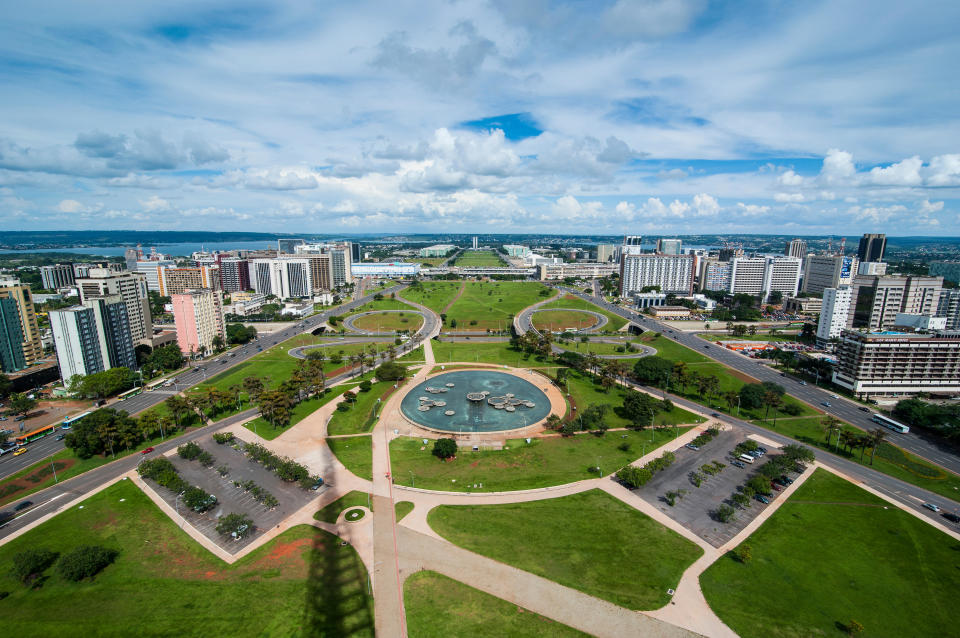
point(646, 117)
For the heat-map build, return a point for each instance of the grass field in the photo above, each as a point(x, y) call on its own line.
point(478, 259)
point(355, 452)
point(491, 305)
point(359, 418)
point(585, 392)
point(401, 509)
point(596, 347)
point(303, 583)
point(614, 322)
point(414, 355)
point(560, 320)
point(438, 607)
point(590, 541)
point(540, 463)
point(835, 553)
point(390, 322)
point(331, 512)
point(435, 295)
point(485, 352)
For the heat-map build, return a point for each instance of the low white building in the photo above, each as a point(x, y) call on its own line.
point(297, 309)
point(385, 269)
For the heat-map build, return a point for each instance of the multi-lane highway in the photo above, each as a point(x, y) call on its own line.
point(849, 411)
point(39, 450)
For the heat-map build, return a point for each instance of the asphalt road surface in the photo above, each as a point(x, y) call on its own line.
point(839, 407)
point(43, 448)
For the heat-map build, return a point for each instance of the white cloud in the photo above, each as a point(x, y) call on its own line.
point(926, 207)
point(789, 198)
point(838, 167)
point(905, 173)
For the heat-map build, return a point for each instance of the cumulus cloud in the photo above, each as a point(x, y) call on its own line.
point(436, 67)
point(838, 167)
point(905, 173)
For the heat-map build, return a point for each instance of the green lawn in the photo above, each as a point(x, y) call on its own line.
point(596, 347)
point(486, 352)
point(390, 322)
point(439, 607)
point(303, 583)
point(414, 355)
point(560, 320)
point(355, 452)
point(435, 295)
point(590, 541)
point(671, 349)
point(585, 392)
point(478, 259)
point(302, 410)
point(835, 553)
point(360, 417)
point(331, 512)
point(491, 305)
point(614, 322)
point(540, 463)
point(402, 508)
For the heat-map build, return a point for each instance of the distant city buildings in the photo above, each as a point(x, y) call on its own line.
point(872, 246)
point(828, 271)
point(796, 248)
point(605, 252)
point(131, 288)
point(57, 276)
point(437, 250)
point(289, 246)
point(177, 280)
point(385, 269)
point(514, 250)
point(669, 246)
point(151, 270)
point(580, 270)
point(475, 243)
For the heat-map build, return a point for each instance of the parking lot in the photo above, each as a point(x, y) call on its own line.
point(232, 499)
point(695, 509)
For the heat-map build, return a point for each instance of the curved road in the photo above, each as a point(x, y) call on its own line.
point(348, 322)
point(841, 408)
point(524, 323)
point(601, 319)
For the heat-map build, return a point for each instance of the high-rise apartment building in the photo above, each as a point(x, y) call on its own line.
point(131, 287)
point(715, 275)
point(286, 278)
point(11, 337)
point(877, 300)
point(234, 274)
point(340, 259)
point(198, 316)
point(828, 271)
point(475, 243)
point(22, 296)
point(833, 313)
point(321, 275)
point(78, 346)
point(605, 252)
point(672, 273)
point(57, 276)
point(670, 246)
point(175, 281)
point(796, 248)
point(151, 270)
point(872, 247)
point(949, 308)
point(113, 331)
point(763, 275)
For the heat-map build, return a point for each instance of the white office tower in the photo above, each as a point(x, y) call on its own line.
point(630, 246)
point(747, 275)
point(131, 288)
point(475, 243)
point(151, 269)
point(672, 273)
point(670, 246)
point(93, 337)
point(796, 248)
point(763, 275)
point(283, 277)
point(828, 271)
point(833, 314)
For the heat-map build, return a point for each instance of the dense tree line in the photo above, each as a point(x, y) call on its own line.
point(943, 420)
point(102, 384)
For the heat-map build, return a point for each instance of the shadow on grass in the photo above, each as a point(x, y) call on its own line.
point(337, 603)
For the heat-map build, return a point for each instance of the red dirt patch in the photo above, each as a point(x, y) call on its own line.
point(12, 489)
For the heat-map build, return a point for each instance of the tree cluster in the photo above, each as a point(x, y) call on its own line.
point(286, 469)
point(161, 358)
point(239, 333)
point(943, 420)
point(634, 477)
point(102, 384)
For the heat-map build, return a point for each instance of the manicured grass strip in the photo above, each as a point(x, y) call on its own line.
point(360, 417)
point(597, 347)
point(560, 320)
point(355, 452)
point(435, 295)
point(540, 463)
point(590, 541)
point(486, 352)
point(586, 392)
point(435, 604)
point(302, 410)
point(402, 508)
point(672, 350)
point(331, 512)
point(614, 322)
point(414, 355)
point(486, 305)
point(835, 553)
point(165, 584)
point(478, 259)
point(390, 322)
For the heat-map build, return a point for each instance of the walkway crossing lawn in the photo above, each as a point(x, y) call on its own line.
point(478, 259)
point(163, 583)
point(491, 305)
point(560, 320)
point(438, 607)
point(889, 459)
point(360, 417)
point(543, 462)
point(590, 541)
point(264, 429)
point(585, 392)
point(331, 512)
point(414, 355)
point(355, 452)
point(486, 352)
point(390, 321)
point(835, 553)
point(435, 295)
point(614, 322)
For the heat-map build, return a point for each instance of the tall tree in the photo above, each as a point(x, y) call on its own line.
point(178, 407)
point(877, 437)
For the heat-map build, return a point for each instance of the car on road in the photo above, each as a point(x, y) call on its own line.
point(803, 383)
point(146, 450)
point(863, 408)
point(950, 516)
point(20, 451)
point(716, 415)
point(835, 396)
point(61, 437)
point(22, 506)
point(706, 347)
point(763, 499)
point(932, 507)
point(826, 403)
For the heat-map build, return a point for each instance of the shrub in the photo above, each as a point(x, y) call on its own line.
point(725, 513)
point(365, 386)
point(223, 437)
point(343, 406)
point(30, 565)
point(198, 500)
point(189, 451)
point(85, 561)
point(235, 525)
point(205, 459)
point(444, 448)
point(743, 553)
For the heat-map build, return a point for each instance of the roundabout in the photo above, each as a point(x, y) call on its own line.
point(562, 319)
point(384, 321)
point(480, 401)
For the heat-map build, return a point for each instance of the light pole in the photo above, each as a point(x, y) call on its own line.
point(738, 406)
point(413, 482)
point(54, 468)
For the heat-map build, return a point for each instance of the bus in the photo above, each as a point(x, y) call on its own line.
point(153, 385)
point(69, 421)
point(39, 433)
point(123, 396)
point(890, 423)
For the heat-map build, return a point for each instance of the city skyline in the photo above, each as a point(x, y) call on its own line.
point(652, 117)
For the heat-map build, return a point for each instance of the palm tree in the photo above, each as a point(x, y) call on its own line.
point(770, 398)
point(731, 397)
point(831, 424)
point(253, 387)
point(775, 401)
point(178, 406)
point(876, 440)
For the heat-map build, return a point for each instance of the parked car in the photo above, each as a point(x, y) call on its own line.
point(932, 507)
point(775, 486)
point(803, 383)
point(692, 446)
point(763, 499)
point(738, 464)
point(762, 450)
point(786, 479)
point(316, 486)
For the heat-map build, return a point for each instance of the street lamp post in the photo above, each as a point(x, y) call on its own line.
point(413, 482)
